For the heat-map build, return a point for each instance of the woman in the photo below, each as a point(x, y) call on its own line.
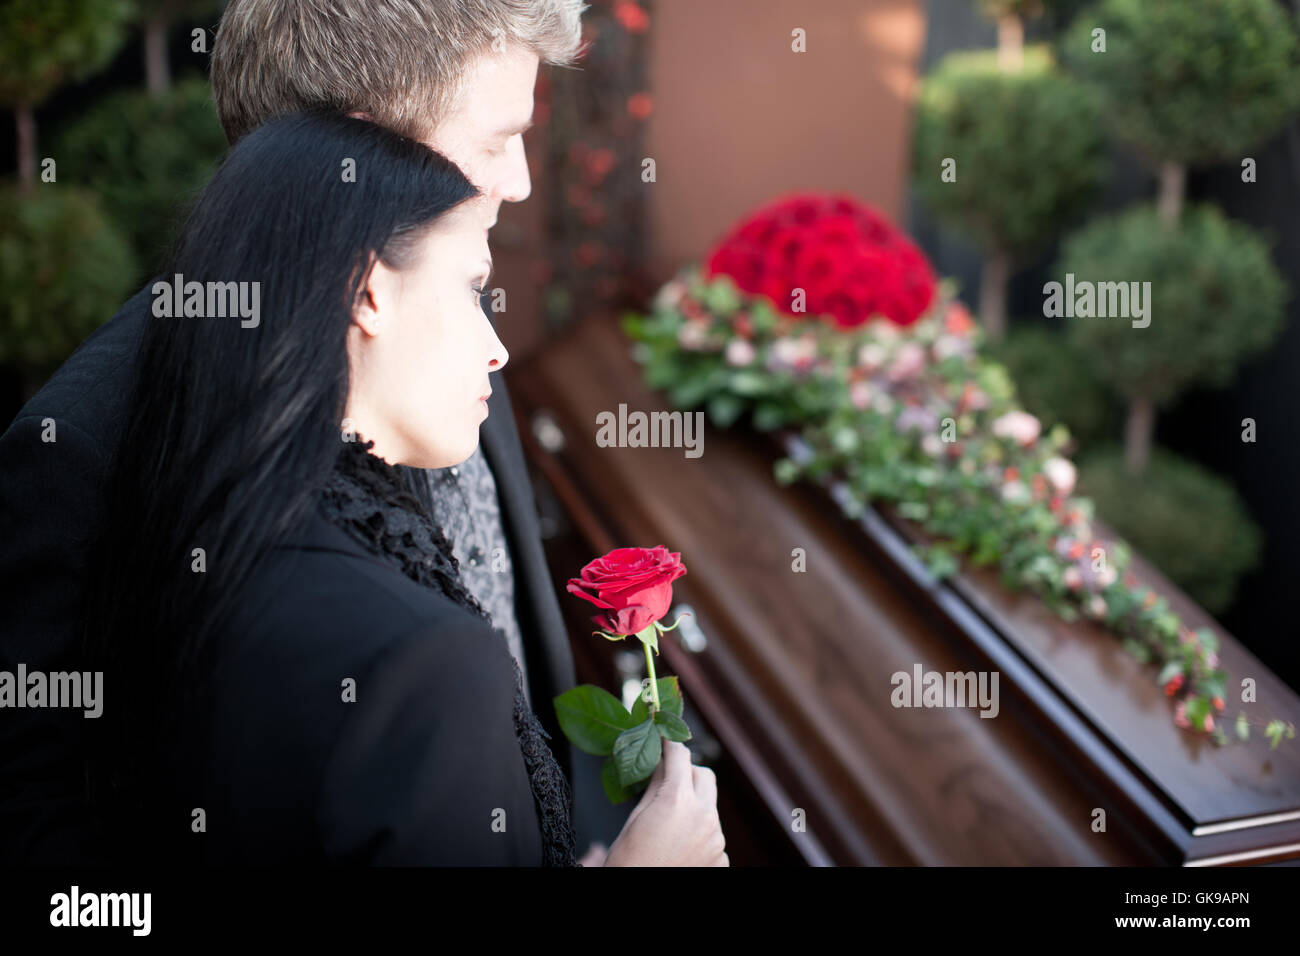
point(293, 670)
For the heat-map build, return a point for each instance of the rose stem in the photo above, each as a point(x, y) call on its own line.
point(654, 684)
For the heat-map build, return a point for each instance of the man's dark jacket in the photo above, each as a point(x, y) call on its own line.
point(48, 510)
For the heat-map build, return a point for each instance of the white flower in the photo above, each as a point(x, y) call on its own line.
point(1097, 606)
point(1020, 427)
point(946, 346)
point(740, 352)
point(883, 403)
point(1014, 491)
point(884, 331)
point(692, 335)
point(871, 356)
point(792, 353)
point(1060, 474)
point(670, 294)
point(1106, 576)
point(932, 445)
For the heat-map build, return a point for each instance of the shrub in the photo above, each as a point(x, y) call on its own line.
point(64, 270)
point(146, 156)
point(1187, 521)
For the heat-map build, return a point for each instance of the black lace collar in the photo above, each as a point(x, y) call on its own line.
point(366, 496)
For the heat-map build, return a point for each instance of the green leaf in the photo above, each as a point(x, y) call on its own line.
point(1276, 730)
point(616, 792)
point(1197, 709)
point(785, 470)
point(633, 325)
point(1243, 726)
point(768, 416)
point(750, 382)
point(592, 718)
point(1169, 672)
point(637, 752)
point(672, 727)
point(724, 409)
point(670, 699)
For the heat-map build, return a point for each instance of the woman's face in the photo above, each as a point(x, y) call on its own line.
point(420, 348)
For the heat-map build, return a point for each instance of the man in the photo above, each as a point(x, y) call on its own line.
point(454, 75)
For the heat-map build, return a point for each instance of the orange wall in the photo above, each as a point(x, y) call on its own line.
point(739, 118)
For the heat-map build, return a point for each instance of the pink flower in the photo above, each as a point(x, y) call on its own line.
point(908, 361)
point(1097, 606)
point(739, 352)
point(946, 346)
point(1073, 578)
point(860, 395)
point(1020, 427)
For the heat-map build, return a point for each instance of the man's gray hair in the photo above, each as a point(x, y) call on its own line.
point(403, 62)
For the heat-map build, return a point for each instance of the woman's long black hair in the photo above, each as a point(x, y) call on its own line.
point(230, 430)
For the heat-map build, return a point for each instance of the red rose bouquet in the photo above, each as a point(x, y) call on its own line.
point(827, 255)
point(633, 588)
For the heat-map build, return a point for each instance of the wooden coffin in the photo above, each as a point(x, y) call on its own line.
point(787, 675)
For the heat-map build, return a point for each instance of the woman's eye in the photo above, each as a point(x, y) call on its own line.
point(478, 292)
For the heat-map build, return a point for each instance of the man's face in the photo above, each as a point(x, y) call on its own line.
point(484, 136)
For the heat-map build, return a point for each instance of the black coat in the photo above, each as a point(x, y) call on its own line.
point(385, 779)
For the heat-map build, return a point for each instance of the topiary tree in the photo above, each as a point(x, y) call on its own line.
point(145, 155)
point(155, 17)
point(1206, 556)
point(1026, 156)
point(1189, 82)
point(63, 269)
point(45, 43)
point(1215, 298)
point(1010, 16)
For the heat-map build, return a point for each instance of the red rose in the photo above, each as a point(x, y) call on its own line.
point(632, 586)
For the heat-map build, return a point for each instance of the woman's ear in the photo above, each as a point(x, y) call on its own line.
point(376, 299)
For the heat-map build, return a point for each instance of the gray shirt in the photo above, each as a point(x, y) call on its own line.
point(465, 505)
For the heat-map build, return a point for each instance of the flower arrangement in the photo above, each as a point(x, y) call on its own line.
point(891, 394)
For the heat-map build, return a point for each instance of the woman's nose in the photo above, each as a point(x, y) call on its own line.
point(497, 354)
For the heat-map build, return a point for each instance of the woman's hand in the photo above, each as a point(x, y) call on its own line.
point(676, 823)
